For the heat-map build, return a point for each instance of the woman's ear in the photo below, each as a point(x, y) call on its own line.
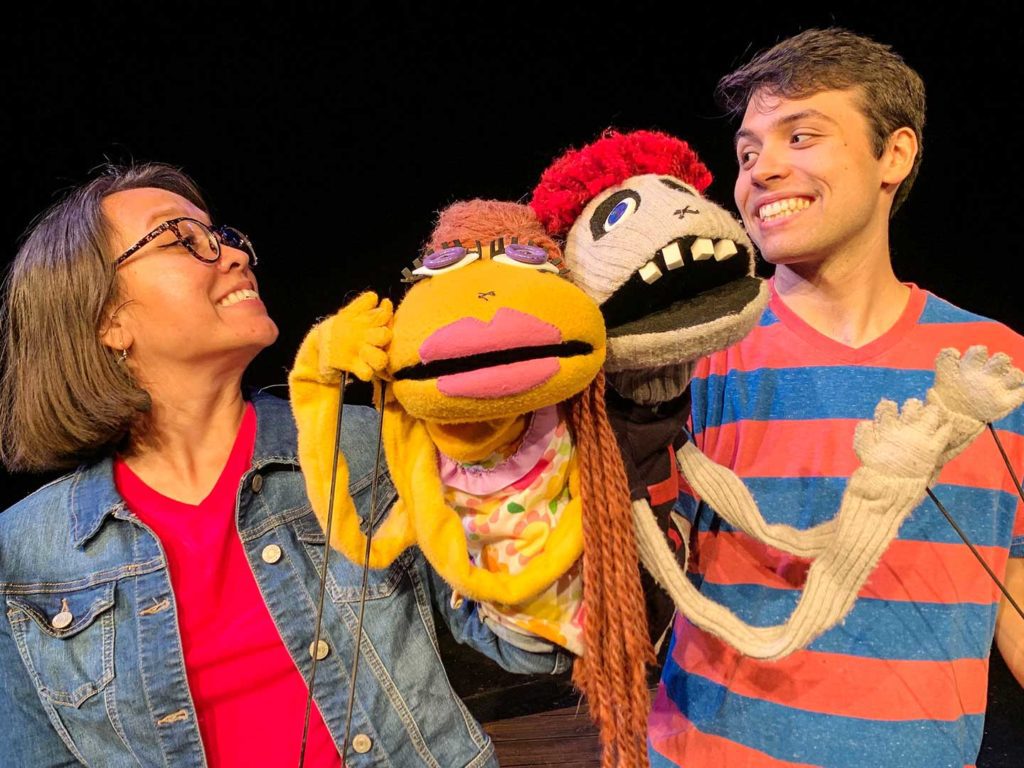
point(114, 332)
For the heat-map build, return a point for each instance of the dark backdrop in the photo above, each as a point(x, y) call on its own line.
point(333, 133)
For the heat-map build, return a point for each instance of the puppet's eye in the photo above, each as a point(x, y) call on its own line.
point(446, 259)
point(531, 256)
point(621, 210)
point(613, 211)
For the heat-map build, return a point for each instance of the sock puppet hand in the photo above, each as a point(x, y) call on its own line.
point(903, 444)
point(974, 390)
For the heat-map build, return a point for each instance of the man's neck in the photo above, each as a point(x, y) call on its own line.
point(852, 301)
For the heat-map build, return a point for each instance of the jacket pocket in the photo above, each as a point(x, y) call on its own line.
point(344, 578)
point(66, 640)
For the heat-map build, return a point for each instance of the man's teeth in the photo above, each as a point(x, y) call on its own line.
point(237, 296)
point(703, 248)
point(782, 208)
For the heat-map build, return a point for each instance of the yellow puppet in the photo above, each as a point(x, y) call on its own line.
point(508, 475)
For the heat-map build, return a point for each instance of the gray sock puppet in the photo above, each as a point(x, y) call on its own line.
point(673, 274)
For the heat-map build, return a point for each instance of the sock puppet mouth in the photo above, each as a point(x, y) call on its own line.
point(668, 294)
point(455, 365)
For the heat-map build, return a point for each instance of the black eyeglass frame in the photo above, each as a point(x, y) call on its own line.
point(218, 233)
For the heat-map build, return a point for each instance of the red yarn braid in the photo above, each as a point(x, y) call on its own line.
point(612, 672)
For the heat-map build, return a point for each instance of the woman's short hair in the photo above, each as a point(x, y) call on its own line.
point(65, 398)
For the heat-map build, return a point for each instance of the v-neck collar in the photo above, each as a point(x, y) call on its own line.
point(841, 352)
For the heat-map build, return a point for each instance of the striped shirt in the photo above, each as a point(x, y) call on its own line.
point(902, 680)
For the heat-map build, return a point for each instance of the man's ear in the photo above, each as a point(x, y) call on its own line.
point(898, 158)
point(114, 332)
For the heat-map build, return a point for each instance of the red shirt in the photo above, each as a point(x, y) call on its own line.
point(249, 696)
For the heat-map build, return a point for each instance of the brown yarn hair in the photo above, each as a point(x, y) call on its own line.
point(612, 673)
point(487, 220)
point(891, 94)
point(64, 398)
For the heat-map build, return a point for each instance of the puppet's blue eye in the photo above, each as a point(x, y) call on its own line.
point(622, 210)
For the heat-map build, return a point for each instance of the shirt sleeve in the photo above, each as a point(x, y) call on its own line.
point(468, 628)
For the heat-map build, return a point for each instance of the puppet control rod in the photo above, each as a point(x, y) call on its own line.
point(967, 541)
point(323, 573)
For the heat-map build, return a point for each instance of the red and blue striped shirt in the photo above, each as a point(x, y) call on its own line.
point(902, 680)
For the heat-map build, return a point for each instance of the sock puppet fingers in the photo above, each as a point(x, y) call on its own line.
point(975, 390)
point(905, 443)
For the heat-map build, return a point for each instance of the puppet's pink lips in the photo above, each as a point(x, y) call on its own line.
point(508, 329)
point(514, 352)
point(499, 380)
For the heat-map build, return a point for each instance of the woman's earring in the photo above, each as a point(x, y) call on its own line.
point(123, 358)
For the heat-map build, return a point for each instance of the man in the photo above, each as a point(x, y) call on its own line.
point(828, 148)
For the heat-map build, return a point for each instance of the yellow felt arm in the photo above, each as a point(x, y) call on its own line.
point(412, 458)
point(314, 386)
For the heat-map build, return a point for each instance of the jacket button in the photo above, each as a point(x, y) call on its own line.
point(361, 743)
point(319, 650)
point(257, 483)
point(271, 553)
point(62, 620)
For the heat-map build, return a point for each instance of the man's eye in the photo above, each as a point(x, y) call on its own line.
point(801, 138)
point(747, 158)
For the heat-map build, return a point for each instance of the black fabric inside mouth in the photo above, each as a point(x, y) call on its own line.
point(636, 299)
point(437, 368)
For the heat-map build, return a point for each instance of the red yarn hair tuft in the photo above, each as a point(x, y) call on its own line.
point(578, 176)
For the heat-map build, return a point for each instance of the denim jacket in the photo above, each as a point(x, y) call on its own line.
point(91, 662)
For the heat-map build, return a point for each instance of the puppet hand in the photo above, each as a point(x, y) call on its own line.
point(976, 385)
point(354, 339)
point(974, 390)
point(904, 444)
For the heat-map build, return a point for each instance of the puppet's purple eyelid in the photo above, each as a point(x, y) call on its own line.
point(527, 254)
point(444, 257)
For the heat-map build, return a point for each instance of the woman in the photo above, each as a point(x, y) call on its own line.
point(160, 599)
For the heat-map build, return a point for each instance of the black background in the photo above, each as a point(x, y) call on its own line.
point(333, 133)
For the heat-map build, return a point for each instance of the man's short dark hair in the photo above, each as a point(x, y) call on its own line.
point(891, 93)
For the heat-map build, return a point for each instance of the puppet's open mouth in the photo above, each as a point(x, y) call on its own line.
point(456, 365)
point(680, 280)
point(497, 373)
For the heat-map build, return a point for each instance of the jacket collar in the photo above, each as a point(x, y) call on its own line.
point(94, 496)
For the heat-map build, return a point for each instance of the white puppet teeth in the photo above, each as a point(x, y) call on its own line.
point(650, 272)
point(702, 249)
point(725, 249)
point(672, 255)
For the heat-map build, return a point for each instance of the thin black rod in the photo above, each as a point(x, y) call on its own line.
point(366, 573)
point(315, 647)
point(977, 554)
